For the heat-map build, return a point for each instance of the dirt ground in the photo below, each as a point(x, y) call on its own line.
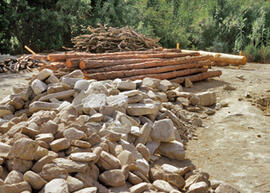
point(234, 144)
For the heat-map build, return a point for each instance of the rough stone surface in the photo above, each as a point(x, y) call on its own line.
point(14, 177)
point(83, 156)
point(73, 134)
point(199, 187)
point(38, 86)
point(163, 186)
point(74, 184)
point(94, 101)
point(139, 188)
point(15, 188)
point(70, 165)
point(57, 185)
point(173, 150)
point(60, 144)
point(24, 148)
point(34, 179)
point(87, 190)
point(141, 109)
point(163, 131)
point(113, 178)
point(207, 98)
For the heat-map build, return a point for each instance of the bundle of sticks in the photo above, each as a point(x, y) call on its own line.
point(12, 64)
point(108, 39)
point(169, 64)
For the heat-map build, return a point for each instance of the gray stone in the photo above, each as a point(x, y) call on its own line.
point(59, 95)
point(87, 190)
point(141, 109)
point(19, 164)
point(145, 133)
point(34, 179)
point(163, 186)
point(83, 156)
point(15, 188)
point(14, 177)
point(38, 86)
point(5, 110)
point(4, 150)
point(173, 150)
point(96, 88)
point(82, 85)
point(126, 157)
point(57, 185)
point(199, 187)
point(126, 85)
point(207, 98)
point(76, 74)
point(52, 79)
point(163, 131)
point(44, 74)
point(139, 188)
point(46, 137)
point(164, 85)
point(94, 101)
point(74, 134)
point(70, 165)
point(60, 144)
point(39, 105)
point(74, 184)
point(188, 83)
point(114, 178)
point(69, 82)
point(150, 82)
point(51, 171)
point(24, 148)
point(108, 161)
point(97, 117)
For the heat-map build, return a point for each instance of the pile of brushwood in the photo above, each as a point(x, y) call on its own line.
point(108, 39)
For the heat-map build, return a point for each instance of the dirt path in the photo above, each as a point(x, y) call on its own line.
point(234, 145)
point(10, 79)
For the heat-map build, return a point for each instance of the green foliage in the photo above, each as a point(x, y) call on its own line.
point(215, 25)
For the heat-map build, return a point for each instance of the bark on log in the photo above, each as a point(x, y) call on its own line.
point(198, 77)
point(155, 63)
point(75, 62)
point(135, 72)
point(220, 58)
point(167, 75)
point(60, 57)
point(84, 64)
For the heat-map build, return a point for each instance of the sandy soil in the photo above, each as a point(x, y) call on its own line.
point(234, 146)
point(10, 79)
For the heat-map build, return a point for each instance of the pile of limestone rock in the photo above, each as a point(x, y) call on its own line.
point(84, 136)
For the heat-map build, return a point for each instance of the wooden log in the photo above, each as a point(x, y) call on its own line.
point(75, 62)
point(198, 77)
point(167, 75)
point(60, 57)
point(221, 57)
point(135, 72)
point(154, 63)
point(84, 64)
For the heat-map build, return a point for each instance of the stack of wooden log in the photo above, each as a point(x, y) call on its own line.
point(169, 64)
point(12, 64)
point(108, 39)
point(220, 59)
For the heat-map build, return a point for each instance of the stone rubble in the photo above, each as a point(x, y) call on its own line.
point(75, 135)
